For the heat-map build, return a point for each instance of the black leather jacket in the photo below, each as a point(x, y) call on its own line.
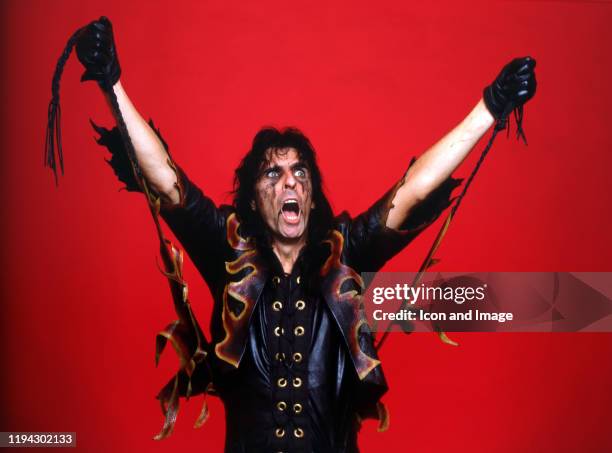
point(343, 378)
point(237, 272)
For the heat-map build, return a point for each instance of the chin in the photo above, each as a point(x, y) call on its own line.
point(292, 234)
point(293, 237)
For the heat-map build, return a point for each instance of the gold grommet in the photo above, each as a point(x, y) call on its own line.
point(297, 408)
point(298, 331)
point(280, 432)
point(282, 382)
point(297, 382)
point(297, 357)
point(298, 279)
point(280, 356)
point(276, 280)
point(300, 305)
point(278, 331)
point(298, 432)
point(281, 406)
point(277, 305)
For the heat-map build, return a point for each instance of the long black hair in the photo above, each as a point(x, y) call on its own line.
point(247, 173)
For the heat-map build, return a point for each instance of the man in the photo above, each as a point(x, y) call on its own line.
point(291, 355)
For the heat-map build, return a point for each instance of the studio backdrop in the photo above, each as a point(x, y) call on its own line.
point(372, 84)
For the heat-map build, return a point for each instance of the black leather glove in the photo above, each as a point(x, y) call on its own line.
point(96, 51)
point(514, 86)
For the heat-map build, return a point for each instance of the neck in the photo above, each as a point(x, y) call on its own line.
point(288, 252)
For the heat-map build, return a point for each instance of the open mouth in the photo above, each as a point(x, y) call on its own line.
point(291, 211)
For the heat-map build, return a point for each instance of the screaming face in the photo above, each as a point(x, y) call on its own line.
point(283, 195)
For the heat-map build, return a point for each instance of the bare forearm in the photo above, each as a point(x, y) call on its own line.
point(150, 152)
point(439, 162)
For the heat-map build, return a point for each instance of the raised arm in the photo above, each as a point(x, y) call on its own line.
point(514, 86)
point(97, 52)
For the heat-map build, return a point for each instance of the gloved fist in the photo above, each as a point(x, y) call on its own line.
point(514, 86)
point(96, 51)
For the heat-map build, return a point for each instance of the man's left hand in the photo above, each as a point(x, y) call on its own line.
point(515, 85)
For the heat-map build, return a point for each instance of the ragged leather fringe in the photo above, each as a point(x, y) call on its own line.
point(430, 260)
point(185, 334)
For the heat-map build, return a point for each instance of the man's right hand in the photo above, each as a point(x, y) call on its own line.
point(96, 51)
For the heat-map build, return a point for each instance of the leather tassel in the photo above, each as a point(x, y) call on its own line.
point(53, 136)
point(170, 406)
point(383, 417)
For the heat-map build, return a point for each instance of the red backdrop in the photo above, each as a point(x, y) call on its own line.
point(371, 84)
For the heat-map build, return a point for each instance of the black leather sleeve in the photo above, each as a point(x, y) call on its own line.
point(371, 243)
point(197, 223)
point(200, 227)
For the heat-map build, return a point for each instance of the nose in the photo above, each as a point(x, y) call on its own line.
point(290, 181)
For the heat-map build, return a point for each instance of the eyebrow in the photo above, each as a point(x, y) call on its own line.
point(297, 165)
point(273, 167)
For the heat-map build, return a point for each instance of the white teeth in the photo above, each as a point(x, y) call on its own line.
point(291, 210)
